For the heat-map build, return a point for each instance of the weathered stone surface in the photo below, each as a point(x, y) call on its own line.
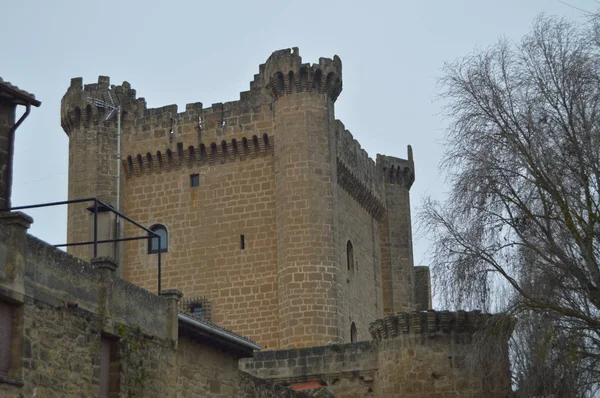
point(277, 171)
point(428, 356)
point(67, 309)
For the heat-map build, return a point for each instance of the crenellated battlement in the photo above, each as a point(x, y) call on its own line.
point(396, 170)
point(284, 73)
point(359, 192)
point(357, 173)
point(432, 322)
point(77, 111)
point(362, 166)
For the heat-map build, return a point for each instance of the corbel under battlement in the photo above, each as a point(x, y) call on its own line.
point(215, 153)
point(359, 192)
point(433, 322)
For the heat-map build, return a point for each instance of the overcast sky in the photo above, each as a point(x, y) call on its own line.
point(178, 52)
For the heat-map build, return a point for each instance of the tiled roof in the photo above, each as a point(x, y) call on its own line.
point(8, 90)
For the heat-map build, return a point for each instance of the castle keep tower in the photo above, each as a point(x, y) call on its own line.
point(271, 209)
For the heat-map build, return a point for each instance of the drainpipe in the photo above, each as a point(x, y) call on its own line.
point(11, 146)
point(117, 244)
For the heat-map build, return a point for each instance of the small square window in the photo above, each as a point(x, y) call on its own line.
point(194, 180)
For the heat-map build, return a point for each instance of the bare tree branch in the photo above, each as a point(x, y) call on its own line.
point(522, 155)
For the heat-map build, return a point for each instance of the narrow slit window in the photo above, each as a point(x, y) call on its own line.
point(242, 242)
point(194, 180)
point(350, 256)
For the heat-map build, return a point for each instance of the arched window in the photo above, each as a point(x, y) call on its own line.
point(161, 231)
point(350, 256)
point(353, 336)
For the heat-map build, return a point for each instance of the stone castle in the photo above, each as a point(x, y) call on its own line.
point(270, 218)
point(268, 207)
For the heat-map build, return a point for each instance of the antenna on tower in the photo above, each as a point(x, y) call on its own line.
point(113, 109)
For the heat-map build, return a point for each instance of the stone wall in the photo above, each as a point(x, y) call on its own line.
point(64, 308)
point(417, 354)
point(61, 351)
point(274, 166)
point(346, 370)
point(361, 284)
point(350, 153)
point(396, 234)
point(205, 224)
point(422, 288)
point(431, 354)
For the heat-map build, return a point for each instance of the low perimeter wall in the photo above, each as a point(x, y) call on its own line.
point(417, 354)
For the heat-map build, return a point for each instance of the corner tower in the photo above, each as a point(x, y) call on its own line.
point(397, 269)
point(307, 270)
point(92, 158)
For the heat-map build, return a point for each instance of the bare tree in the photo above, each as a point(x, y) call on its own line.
point(544, 360)
point(523, 159)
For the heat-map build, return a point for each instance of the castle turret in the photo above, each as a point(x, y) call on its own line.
point(92, 158)
point(395, 234)
point(303, 98)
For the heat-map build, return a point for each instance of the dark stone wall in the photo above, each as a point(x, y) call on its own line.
point(63, 307)
point(7, 120)
point(251, 387)
point(346, 370)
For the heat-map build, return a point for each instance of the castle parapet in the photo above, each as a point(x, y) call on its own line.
point(78, 108)
point(430, 323)
point(357, 160)
point(284, 73)
point(397, 171)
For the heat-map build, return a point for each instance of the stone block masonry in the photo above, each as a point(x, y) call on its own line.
point(65, 311)
point(280, 226)
point(413, 354)
point(273, 169)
